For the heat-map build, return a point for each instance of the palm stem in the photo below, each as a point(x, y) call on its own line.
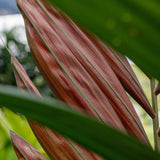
point(156, 119)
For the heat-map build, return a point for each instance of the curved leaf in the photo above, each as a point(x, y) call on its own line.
point(92, 134)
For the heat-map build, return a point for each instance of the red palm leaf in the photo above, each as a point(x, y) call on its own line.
point(77, 72)
point(24, 150)
point(56, 146)
point(157, 90)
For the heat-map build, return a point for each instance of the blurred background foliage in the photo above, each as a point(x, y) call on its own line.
point(18, 46)
point(18, 123)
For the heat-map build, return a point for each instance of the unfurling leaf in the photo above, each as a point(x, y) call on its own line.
point(24, 150)
point(75, 69)
point(125, 74)
point(55, 145)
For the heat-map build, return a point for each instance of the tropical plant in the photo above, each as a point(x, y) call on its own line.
point(21, 51)
point(92, 117)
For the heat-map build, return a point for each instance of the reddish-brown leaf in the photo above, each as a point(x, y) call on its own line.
point(24, 150)
point(54, 144)
point(22, 79)
point(157, 90)
point(125, 73)
point(158, 132)
point(76, 69)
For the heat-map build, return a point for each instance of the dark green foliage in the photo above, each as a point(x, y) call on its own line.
point(107, 142)
point(130, 26)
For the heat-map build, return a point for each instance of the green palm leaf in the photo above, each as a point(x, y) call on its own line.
point(131, 27)
point(86, 131)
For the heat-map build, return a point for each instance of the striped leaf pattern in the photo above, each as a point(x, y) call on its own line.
point(23, 149)
point(55, 145)
point(76, 69)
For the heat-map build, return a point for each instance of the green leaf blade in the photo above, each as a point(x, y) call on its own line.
point(131, 27)
point(88, 132)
